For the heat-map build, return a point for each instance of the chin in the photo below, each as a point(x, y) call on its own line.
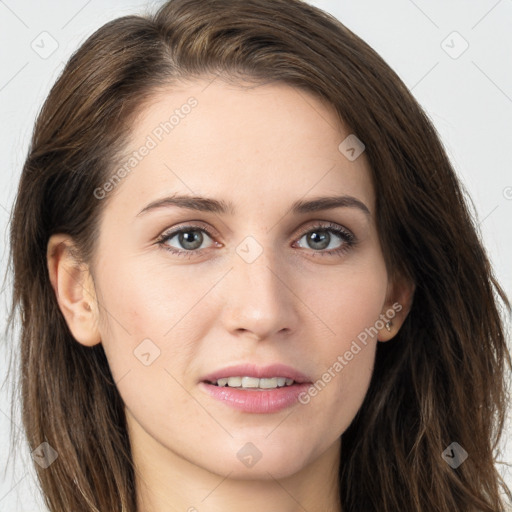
point(259, 460)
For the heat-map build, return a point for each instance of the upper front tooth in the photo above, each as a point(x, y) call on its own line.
point(235, 382)
point(249, 382)
point(268, 383)
point(281, 381)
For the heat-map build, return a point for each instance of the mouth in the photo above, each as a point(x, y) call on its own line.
point(252, 383)
point(253, 389)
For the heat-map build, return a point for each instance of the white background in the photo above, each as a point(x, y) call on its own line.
point(469, 99)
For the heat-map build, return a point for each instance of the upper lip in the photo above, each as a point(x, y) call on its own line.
point(260, 372)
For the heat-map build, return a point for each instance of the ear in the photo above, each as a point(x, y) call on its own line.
point(74, 289)
point(396, 308)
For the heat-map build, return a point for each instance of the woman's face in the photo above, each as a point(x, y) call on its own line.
point(255, 279)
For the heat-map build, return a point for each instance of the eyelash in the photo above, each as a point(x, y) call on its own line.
point(348, 238)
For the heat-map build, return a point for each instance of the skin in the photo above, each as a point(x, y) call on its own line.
point(262, 149)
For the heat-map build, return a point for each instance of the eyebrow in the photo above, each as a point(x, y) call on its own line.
point(205, 204)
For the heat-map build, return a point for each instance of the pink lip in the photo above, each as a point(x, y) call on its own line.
point(253, 400)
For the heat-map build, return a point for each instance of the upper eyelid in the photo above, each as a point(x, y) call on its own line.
point(190, 227)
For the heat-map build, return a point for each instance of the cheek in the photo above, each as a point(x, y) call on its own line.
point(144, 300)
point(339, 390)
point(147, 346)
point(349, 305)
point(153, 320)
point(349, 302)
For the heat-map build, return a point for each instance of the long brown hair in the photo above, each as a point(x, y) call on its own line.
point(440, 380)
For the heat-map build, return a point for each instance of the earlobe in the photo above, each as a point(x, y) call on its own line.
point(397, 307)
point(74, 290)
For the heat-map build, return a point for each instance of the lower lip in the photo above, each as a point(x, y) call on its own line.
point(256, 401)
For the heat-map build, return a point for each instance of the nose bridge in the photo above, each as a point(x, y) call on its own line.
point(258, 299)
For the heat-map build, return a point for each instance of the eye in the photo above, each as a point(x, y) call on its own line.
point(320, 237)
point(189, 240)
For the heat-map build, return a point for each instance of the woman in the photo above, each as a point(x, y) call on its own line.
point(247, 276)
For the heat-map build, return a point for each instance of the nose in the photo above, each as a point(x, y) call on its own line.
point(259, 297)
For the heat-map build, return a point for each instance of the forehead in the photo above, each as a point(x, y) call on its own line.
point(249, 145)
